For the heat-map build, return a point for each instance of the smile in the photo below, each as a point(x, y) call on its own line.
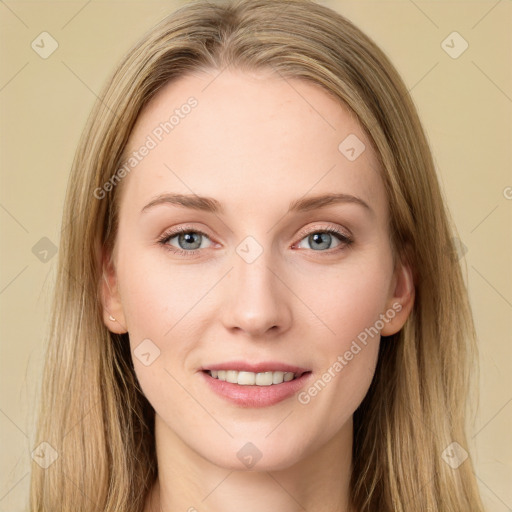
point(259, 388)
point(253, 379)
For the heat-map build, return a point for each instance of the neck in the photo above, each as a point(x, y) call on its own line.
point(189, 482)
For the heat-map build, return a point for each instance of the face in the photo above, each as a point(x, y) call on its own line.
point(261, 275)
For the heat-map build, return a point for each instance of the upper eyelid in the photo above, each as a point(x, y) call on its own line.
point(316, 229)
point(171, 233)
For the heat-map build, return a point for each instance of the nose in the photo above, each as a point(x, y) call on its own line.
point(258, 302)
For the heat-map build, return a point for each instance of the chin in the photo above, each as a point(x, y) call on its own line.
point(254, 453)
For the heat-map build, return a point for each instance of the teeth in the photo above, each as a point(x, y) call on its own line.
point(246, 378)
point(264, 379)
point(278, 377)
point(251, 378)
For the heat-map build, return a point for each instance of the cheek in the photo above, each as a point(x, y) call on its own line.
point(158, 302)
point(156, 294)
point(162, 303)
point(348, 298)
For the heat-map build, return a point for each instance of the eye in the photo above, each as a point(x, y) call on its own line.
point(321, 239)
point(188, 241)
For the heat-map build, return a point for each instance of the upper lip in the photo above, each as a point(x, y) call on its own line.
point(264, 366)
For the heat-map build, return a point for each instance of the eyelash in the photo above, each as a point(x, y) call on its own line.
point(343, 238)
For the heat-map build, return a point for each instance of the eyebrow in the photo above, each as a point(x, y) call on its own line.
point(209, 204)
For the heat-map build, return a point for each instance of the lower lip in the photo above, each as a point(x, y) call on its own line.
point(256, 396)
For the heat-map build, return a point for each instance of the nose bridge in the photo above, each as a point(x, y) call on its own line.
point(257, 299)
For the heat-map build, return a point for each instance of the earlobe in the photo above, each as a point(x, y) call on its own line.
point(113, 315)
point(401, 300)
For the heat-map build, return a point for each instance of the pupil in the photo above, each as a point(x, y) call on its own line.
point(189, 237)
point(318, 238)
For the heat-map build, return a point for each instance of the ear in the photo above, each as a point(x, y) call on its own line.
point(401, 298)
point(113, 314)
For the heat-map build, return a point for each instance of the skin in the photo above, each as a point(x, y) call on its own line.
point(255, 142)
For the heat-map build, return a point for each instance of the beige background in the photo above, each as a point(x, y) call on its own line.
point(465, 104)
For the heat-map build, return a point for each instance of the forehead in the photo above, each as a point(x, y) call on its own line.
point(247, 138)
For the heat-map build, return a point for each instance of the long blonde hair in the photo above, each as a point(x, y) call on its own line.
point(92, 410)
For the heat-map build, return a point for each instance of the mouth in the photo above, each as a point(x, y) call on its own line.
point(246, 378)
point(255, 385)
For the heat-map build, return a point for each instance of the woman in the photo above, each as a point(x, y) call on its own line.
point(311, 348)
